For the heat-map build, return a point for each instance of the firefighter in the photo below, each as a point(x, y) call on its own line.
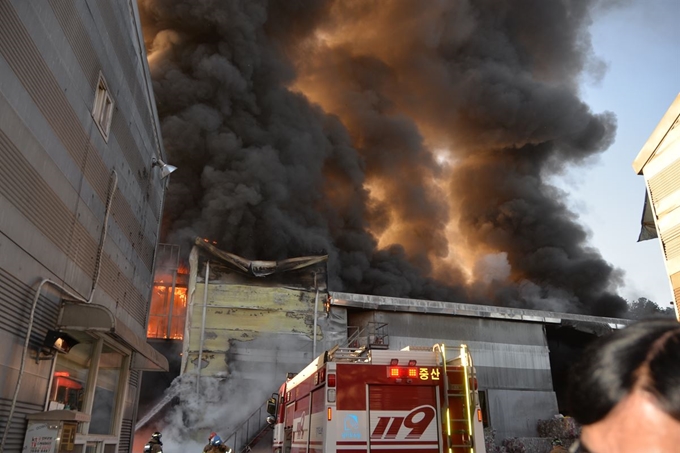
point(154, 445)
point(215, 445)
point(558, 446)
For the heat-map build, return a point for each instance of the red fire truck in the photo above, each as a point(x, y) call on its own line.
point(406, 401)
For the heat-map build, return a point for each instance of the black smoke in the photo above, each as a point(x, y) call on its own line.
point(303, 126)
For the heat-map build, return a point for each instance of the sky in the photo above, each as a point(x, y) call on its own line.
point(640, 43)
point(234, 94)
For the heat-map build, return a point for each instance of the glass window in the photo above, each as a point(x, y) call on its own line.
point(106, 391)
point(167, 310)
point(158, 314)
point(70, 378)
point(179, 311)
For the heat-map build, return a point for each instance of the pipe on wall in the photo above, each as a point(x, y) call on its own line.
point(100, 250)
point(200, 346)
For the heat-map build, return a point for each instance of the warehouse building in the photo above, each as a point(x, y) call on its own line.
point(659, 163)
point(249, 323)
point(81, 195)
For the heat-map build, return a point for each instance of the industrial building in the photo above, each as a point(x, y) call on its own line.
point(81, 197)
point(258, 321)
point(659, 163)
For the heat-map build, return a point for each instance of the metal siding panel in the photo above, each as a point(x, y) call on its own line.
point(525, 408)
point(665, 182)
point(15, 437)
point(675, 283)
point(122, 290)
point(439, 328)
point(77, 36)
point(514, 378)
point(121, 45)
point(21, 184)
point(132, 154)
point(670, 240)
point(125, 443)
point(29, 193)
point(128, 223)
point(26, 61)
point(15, 301)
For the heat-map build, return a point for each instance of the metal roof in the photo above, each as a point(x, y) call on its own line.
point(385, 303)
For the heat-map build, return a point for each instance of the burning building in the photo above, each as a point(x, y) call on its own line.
point(250, 323)
point(413, 143)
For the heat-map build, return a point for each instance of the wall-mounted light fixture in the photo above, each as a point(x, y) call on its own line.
point(54, 342)
point(166, 169)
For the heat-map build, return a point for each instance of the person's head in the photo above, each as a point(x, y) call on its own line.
point(214, 439)
point(156, 436)
point(625, 390)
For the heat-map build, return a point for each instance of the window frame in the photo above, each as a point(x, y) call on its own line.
point(98, 342)
point(102, 109)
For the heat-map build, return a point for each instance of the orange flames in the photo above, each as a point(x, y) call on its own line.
point(167, 314)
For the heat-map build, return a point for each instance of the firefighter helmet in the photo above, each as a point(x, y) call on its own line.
point(216, 440)
point(156, 435)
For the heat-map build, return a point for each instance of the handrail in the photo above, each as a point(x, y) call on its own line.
point(248, 432)
point(354, 337)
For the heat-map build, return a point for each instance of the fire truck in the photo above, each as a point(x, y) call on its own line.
point(406, 401)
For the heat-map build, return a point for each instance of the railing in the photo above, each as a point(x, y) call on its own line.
point(250, 431)
point(378, 338)
point(353, 338)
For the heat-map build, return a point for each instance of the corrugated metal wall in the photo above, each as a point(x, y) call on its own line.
point(511, 358)
point(659, 161)
point(55, 178)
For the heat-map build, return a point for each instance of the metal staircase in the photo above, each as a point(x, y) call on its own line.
point(250, 432)
point(352, 350)
point(359, 342)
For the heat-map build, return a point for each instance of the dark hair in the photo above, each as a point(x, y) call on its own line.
point(643, 356)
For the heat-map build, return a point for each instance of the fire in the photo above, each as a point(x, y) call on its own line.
point(167, 314)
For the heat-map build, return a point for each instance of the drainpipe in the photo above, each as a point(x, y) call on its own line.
point(316, 308)
point(199, 362)
point(63, 291)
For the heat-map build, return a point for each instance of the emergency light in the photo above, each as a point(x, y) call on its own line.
point(402, 372)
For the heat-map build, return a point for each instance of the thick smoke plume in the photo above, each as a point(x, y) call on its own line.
point(412, 141)
point(221, 405)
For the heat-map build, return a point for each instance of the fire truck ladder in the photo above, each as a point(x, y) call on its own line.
point(455, 392)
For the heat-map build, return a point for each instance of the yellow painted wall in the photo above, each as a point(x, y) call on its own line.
point(241, 313)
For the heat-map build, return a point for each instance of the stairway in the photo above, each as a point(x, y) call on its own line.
point(250, 432)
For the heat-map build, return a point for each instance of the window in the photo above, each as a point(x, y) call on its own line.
point(103, 108)
point(106, 389)
point(91, 378)
point(70, 378)
point(167, 313)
